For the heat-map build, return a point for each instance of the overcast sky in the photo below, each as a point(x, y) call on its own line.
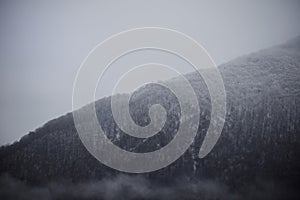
point(42, 43)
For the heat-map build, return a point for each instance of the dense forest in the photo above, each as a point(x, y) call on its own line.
point(259, 143)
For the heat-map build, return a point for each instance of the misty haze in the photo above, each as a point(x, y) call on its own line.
point(256, 46)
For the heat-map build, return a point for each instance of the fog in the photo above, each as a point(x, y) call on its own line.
point(44, 42)
point(138, 187)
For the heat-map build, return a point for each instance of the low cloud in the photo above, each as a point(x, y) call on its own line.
point(137, 187)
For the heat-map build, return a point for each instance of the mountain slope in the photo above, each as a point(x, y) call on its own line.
point(260, 139)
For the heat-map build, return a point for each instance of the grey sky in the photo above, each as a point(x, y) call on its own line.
point(42, 43)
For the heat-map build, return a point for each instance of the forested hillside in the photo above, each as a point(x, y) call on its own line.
point(260, 139)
